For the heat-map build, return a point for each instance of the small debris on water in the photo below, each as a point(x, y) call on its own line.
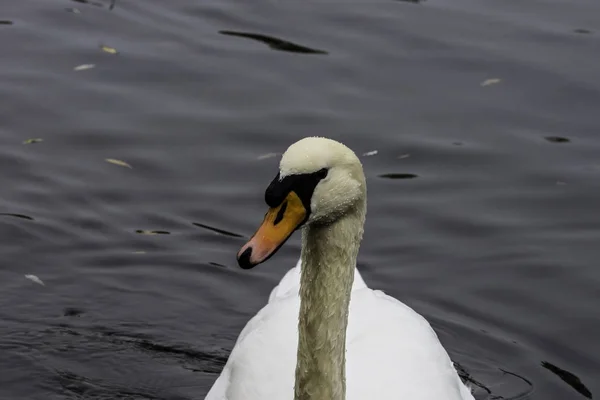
point(557, 139)
point(83, 67)
point(34, 140)
point(5, 22)
point(150, 232)
point(398, 176)
point(268, 155)
point(403, 156)
point(491, 81)
point(118, 162)
point(108, 49)
point(73, 10)
point(35, 279)
point(370, 153)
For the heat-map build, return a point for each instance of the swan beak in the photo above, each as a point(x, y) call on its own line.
point(279, 224)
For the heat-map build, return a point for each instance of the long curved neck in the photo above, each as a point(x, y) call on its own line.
point(329, 255)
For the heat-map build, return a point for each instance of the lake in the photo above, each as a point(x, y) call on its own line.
point(138, 137)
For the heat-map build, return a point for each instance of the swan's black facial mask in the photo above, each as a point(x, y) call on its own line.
point(289, 208)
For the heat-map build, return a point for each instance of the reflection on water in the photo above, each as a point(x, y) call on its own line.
point(487, 109)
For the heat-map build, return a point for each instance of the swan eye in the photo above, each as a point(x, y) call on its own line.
point(322, 173)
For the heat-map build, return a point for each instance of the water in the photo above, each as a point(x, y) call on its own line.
point(490, 108)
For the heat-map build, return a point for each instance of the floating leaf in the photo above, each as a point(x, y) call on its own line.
point(108, 49)
point(268, 155)
point(83, 67)
point(148, 232)
point(370, 153)
point(35, 279)
point(118, 162)
point(492, 81)
point(31, 141)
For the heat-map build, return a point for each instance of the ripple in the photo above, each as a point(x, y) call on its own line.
point(275, 43)
point(217, 265)
point(22, 216)
point(557, 139)
point(88, 2)
point(73, 312)
point(398, 176)
point(569, 378)
point(218, 230)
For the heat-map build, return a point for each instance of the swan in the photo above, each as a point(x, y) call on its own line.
point(324, 335)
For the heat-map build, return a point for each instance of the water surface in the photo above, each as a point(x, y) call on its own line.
point(483, 193)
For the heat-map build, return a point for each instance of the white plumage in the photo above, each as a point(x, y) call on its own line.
point(391, 352)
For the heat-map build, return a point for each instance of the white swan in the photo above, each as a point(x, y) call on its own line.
point(324, 335)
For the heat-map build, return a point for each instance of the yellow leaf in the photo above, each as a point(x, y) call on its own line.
point(118, 162)
point(31, 141)
point(110, 50)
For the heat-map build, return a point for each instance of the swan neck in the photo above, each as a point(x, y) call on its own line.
point(329, 255)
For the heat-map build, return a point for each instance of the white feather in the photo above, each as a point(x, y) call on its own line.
point(392, 351)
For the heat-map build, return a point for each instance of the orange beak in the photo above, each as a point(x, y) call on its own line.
point(279, 224)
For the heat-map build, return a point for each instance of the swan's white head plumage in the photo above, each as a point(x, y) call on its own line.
point(319, 181)
point(344, 184)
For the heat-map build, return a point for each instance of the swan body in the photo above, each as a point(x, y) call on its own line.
point(340, 340)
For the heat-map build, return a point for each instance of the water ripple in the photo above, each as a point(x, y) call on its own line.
point(275, 43)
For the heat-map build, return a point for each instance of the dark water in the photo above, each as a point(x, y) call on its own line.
point(483, 196)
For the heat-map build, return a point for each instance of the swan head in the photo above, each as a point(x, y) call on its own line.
point(319, 181)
